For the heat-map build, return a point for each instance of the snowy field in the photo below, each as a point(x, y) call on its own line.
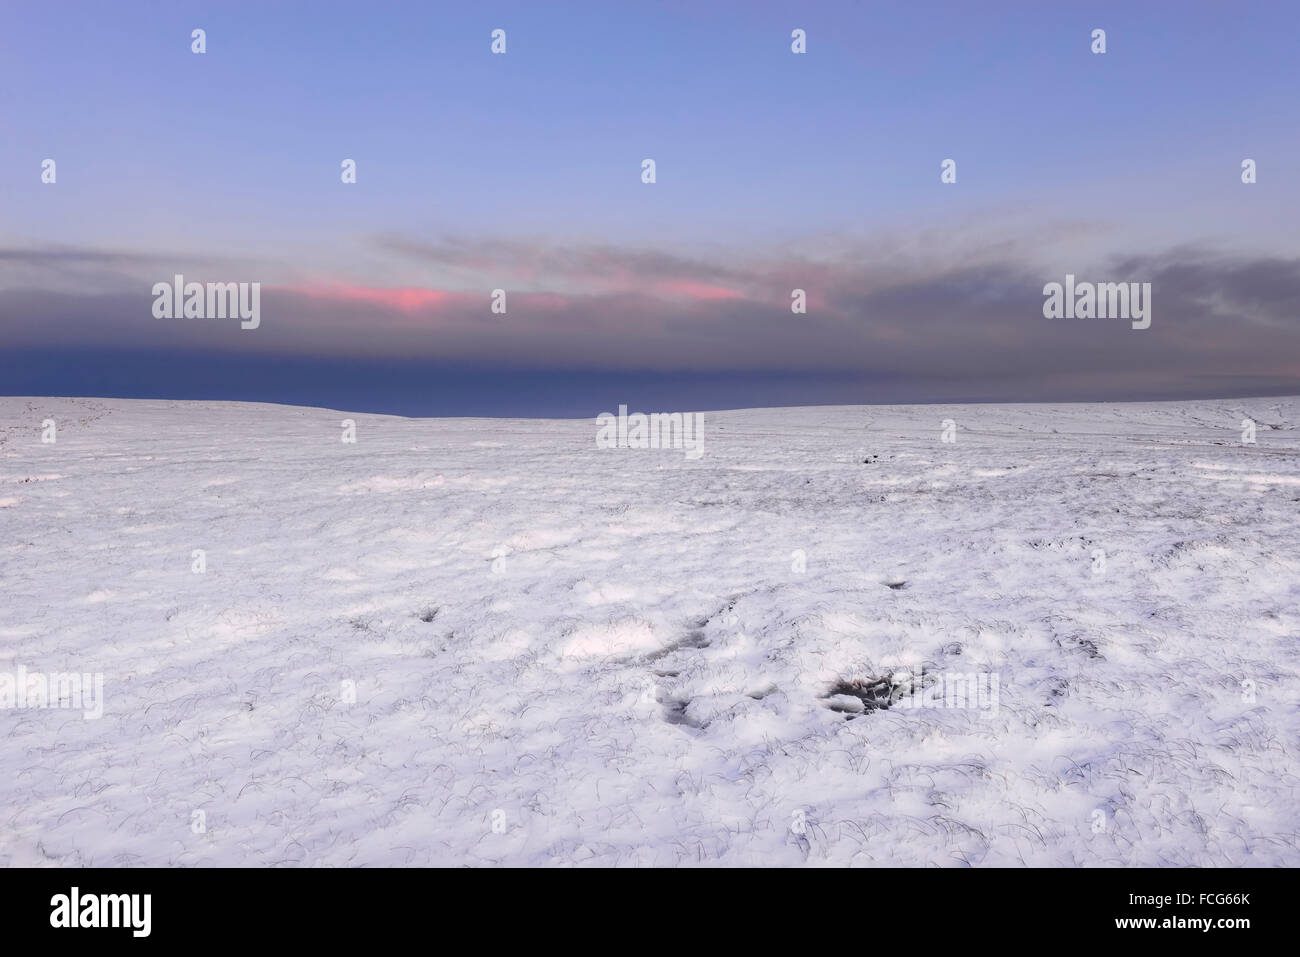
point(474, 641)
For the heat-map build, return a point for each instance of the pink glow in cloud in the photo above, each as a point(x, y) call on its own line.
point(688, 289)
point(417, 299)
point(404, 299)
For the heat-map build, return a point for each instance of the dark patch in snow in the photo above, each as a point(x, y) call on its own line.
point(1057, 688)
point(876, 694)
point(1089, 646)
point(675, 713)
point(693, 639)
point(428, 614)
point(696, 639)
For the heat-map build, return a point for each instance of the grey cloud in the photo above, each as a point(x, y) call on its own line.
point(1221, 323)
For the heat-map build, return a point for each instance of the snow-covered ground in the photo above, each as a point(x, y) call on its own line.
point(569, 655)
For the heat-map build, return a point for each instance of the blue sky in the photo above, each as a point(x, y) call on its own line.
point(522, 171)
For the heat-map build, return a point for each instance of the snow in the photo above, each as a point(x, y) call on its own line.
point(569, 655)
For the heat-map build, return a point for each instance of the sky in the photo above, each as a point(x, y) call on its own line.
point(522, 171)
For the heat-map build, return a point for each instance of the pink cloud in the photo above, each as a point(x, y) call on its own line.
point(418, 299)
point(404, 299)
point(689, 289)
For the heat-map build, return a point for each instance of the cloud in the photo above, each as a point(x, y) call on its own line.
point(597, 265)
point(405, 299)
point(1220, 322)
